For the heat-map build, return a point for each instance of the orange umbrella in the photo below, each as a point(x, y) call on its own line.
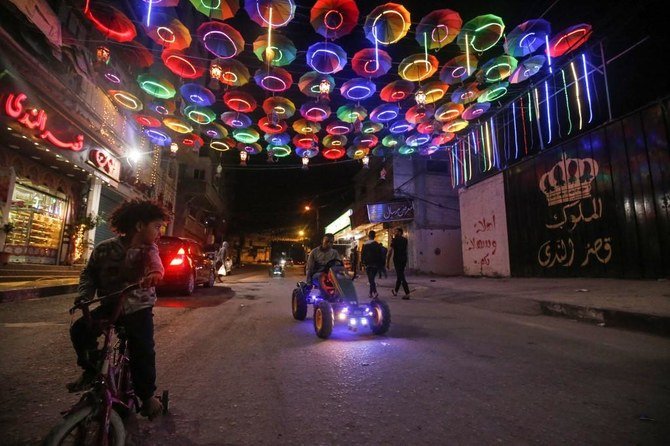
point(240, 101)
point(134, 53)
point(387, 24)
point(280, 106)
point(172, 35)
point(417, 68)
point(334, 18)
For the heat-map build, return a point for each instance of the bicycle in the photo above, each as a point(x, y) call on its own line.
point(96, 419)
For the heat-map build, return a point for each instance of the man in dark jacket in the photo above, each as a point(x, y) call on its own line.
point(372, 258)
point(398, 253)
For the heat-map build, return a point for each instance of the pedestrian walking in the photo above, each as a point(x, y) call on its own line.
point(353, 258)
point(398, 252)
point(382, 267)
point(372, 259)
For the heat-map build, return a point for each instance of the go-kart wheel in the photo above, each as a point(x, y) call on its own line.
point(323, 319)
point(381, 317)
point(299, 305)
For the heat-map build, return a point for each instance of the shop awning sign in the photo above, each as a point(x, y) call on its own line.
point(342, 222)
point(393, 211)
point(36, 119)
point(105, 162)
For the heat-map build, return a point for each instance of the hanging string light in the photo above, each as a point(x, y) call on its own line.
point(174, 148)
point(215, 71)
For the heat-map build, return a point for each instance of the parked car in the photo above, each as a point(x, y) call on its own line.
point(186, 265)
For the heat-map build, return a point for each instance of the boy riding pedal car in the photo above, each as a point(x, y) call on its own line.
point(131, 257)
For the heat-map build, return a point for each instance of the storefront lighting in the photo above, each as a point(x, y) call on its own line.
point(102, 54)
point(134, 156)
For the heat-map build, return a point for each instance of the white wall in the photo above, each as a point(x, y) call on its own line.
point(484, 229)
point(435, 251)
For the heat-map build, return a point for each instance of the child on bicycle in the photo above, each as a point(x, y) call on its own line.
point(131, 257)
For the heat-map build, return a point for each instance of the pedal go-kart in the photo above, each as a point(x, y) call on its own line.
point(334, 298)
point(278, 268)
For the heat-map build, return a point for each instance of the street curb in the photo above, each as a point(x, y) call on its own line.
point(658, 325)
point(33, 293)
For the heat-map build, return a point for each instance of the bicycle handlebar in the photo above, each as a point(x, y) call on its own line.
point(86, 303)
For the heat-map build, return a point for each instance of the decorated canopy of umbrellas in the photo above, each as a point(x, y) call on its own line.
point(186, 79)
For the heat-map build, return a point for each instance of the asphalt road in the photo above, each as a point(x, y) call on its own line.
point(241, 371)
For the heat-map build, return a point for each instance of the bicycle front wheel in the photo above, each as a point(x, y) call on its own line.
point(80, 428)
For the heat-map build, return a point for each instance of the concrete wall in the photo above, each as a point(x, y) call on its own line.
point(436, 251)
point(484, 229)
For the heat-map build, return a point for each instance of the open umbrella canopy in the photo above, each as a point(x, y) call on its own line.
point(428, 149)
point(307, 153)
point(315, 111)
point(199, 115)
point(240, 101)
point(371, 127)
point(475, 111)
point(305, 141)
point(387, 24)
point(385, 113)
point(458, 69)
point(466, 94)
point(449, 111)
point(334, 141)
point(334, 18)
point(358, 89)
point(233, 72)
point(434, 91)
point(270, 127)
point(339, 128)
point(527, 68)
point(309, 83)
point(250, 148)
point(192, 141)
point(163, 108)
point(351, 113)
point(279, 106)
point(481, 33)
point(169, 33)
point(368, 141)
point(400, 126)
point(334, 153)
point(248, 135)
point(126, 100)
point(221, 39)
point(326, 57)
point(215, 131)
point(455, 126)
point(371, 62)
point(236, 120)
point(442, 138)
point(177, 125)
point(182, 64)
point(527, 38)
point(438, 29)
point(418, 113)
point(497, 69)
point(147, 120)
point(393, 140)
point(357, 152)
point(112, 23)
point(266, 12)
point(428, 127)
point(158, 137)
point(278, 150)
point(493, 92)
point(396, 91)
point(279, 139)
point(134, 53)
point(417, 139)
point(305, 127)
point(197, 94)
point(217, 9)
point(158, 88)
point(569, 39)
point(283, 51)
point(224, 145)
point(275, 79)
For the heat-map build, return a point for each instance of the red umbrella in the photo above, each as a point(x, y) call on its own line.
point(396, 91)
point(147, 121)
point(270, 127)
point(240, 101)
point(569, 39)
point(417, 114)
point(134, 53)
point(111, 22)
point(339, 128)
point(183, 65)
point(369, 62)
point(334, 18)
point(305, 141)
point(438, 29)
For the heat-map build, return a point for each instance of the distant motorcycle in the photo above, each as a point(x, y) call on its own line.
point(278, 269)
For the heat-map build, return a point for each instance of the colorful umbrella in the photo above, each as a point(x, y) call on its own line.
point(419, 113)
point(443, 138)
point(369, 62)
point(458, 69)
point(475, 111)
point(367, 141)
point(215, 131)
point(448, 112)
point(396, 91)
point(334, 18)
point(158, 137)
point(371, 127)
point(158, 88)
point(357, 152)
point(351, 113)
point(527, 68)
point(466, 94)
point(438, 29)
point(169, 33)
point(275, 79)
point(428, 149)
point(279, 106)
point(334, 153)
point(481, 33)
point(387, 23)
point(197, 94)
point(381, 152)
point(126, 100)
point(240, 101)
point(434, 91)
point(385, 113)
point(497, 69)
point(134, 53)
point(305, 141)
point(416, 67)
point(326, 57)
point(358, 89)
point(278, 150)
point(234, 72)
point(279, 139)
point(183, 65)
point(339, 128)
point(223, 145)
point(283, 50)
point(271, 127)
point(527, 38)
point(217, 9)
point(569, 39)
point(307, 153)
point(315, 111)
point(221, 39)
point(400, 126)
point(193, 141)
point(393, 140)
point(250, 148)
point(494, 92)
point(247, 135)
point(200, 115)
point(428, 127)
point(147, 121)
point(113, 76)
point(112, 23)
point(334, 141)
point(405, 150)
point(236, 120)
point(266, 12)
point(455, 126)
point(163, 108)
point(305, 127)
point(309, 83)
point(177, 125)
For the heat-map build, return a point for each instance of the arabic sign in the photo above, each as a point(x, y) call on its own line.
point(36, 119)
point(105, 162)
point(394, 211)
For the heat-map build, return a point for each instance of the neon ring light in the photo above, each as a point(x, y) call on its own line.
point(416, 67)
point(443, 138)
point(384, 113)
point(339, 128)
point(147, 121)
point(199, 115)
point(406, 150)
point(393, 140)
point(223, 145)
point(373, 63)
point(497, 69)
point(428, 127)
point(387, 24)
point(240, 101)
point(280, 151)
point(158, 137)
point(271, 128)
point(326, 57)
point(400, 126)
point(481, 33)
point(334, 141)
point(569, 39)
point(493, 92)
point(358, 89)
point(334, 153)
point(305, 141)
point(275, 79)
point(246, 136)
point(236, 120)
point(126, 100)
point(428, 150)
point(221, 39)
point(251, 149)
point(396, 91)
point(371, 127)
point(475, 111)
point(455, 126)
point(305, 127)
point(280, 139)
point(215, 131)
point(417, 139)
point(182, 65)
point(177, 125)
point(306, 153)
point(315, 111)
point(270, 12)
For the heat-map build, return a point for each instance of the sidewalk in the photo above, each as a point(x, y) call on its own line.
point(642, 305)
point(42, 287)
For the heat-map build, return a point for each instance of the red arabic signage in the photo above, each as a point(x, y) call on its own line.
point(36, 119)
point(105, 162)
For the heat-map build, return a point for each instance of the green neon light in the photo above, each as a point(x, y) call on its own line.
point(201, 116)
point(502, 76)
point(157, 89)
point(488, 25)
point(246, 136)
point(493, 94)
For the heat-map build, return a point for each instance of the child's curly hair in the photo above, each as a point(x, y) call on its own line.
point(127, 215)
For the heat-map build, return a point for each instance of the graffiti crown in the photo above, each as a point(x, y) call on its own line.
point(569, 180)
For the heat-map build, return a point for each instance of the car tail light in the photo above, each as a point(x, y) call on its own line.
point(179, 258)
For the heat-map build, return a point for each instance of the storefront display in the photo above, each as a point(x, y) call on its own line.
point(38, 217)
